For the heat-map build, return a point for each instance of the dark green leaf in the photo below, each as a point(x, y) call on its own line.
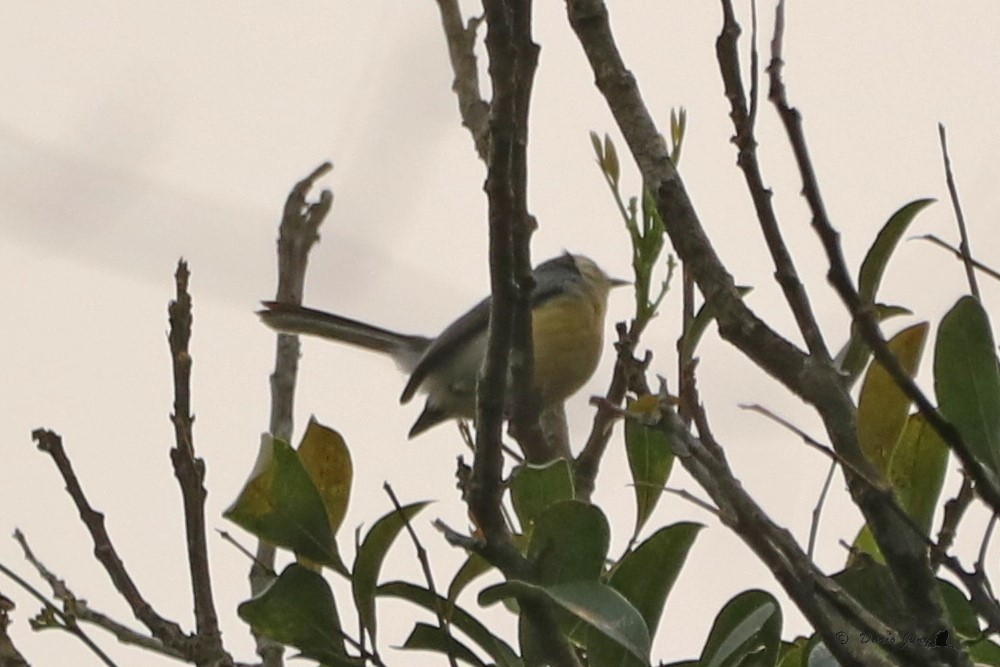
point(432, 638)
point(746, 633)
point(298, 610)
point(498, 650)
point(792, 654)
point(368, 561)
point(966, 379)
point(646, 575)
point(650, 459)
point(873, 266)
point(882, 406)
point(569, 543)
point(280, 504)
point(959, 609)
point(597, 605)
point(534, 488)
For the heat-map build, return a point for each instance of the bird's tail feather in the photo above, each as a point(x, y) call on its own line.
point(289, 318)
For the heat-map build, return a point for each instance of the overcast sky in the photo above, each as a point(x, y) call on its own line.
point(134, 133)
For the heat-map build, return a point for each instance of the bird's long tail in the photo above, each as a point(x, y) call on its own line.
point(405, 350)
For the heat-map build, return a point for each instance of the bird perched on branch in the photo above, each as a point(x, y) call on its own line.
point(568, 306)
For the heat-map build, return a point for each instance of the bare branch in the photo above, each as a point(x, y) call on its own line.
point(746, 143)
point(166, 631)
point(966, 250)
point(475, 111)
point(298, 232)
point(190, 473)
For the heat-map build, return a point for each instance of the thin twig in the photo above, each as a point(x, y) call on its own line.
point(785, 272)
point(693, 499)
point(966, 250)
point(818, 510)
point(166, 631)
point(425, 565)
point(74, 607)
point(992, 273)
point(66, 622)
point(190, 473)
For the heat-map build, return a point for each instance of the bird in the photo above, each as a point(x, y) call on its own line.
point(568, 308)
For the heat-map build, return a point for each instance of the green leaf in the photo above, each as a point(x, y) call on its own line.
point(646, 575)
point(961, 616)
point(534, 488)
point(371, 554)
point(865, 543)
point(871, 584)
point(854, 355)
point(746, 633)
point(298, 610)
point(498, 650)
point(966, 379)
point(873, 266)
point(432, 638)
point(985, 652)
point(917, 469)
point(883, 408)
point(597, 605)
point(569, 543)
point(325, 457)
point(700, 323)
point(792, 654)
point(650, 459)
point(473, 567)
point(280, 504)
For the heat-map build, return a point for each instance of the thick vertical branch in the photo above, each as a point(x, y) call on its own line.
point(298, 232)
point(513, 58)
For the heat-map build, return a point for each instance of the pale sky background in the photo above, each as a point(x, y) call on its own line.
point(134, 133)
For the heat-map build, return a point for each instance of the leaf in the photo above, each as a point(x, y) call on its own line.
point(534, 488)
point(865, 544)
point(432, 638)
point(873, 266)
point(700, 323)
point(747, 632)
point(280, 504)
point(959, 609)
point(966, 379)
point(854, 355)
point(473, 567)
point(597, 605)
point(498, 650)
point(325, 457)
point(298, 610)
point(883, 408)
point(371, 554)
point(917, 469)
point(650, 459)
point(646, 575)
point(569, 543)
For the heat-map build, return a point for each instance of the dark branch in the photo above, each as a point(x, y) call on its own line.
point(190, 473)
point(166, 631)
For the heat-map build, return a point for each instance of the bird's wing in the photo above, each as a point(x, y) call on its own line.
point(475, 321)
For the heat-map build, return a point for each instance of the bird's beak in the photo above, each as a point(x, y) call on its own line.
point(618, 282)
